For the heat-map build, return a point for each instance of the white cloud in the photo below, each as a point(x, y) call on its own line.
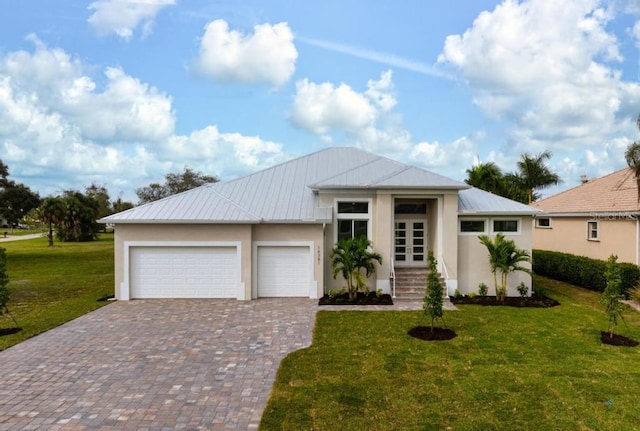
point(548, 68)
point(454, 157)
point(56, 123)
point(122, 17)
point(268, 55)
point(365, 118)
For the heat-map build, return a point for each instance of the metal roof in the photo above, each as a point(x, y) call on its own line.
point(476, 201)
point(288, 192)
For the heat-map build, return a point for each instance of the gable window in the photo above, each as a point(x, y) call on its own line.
point(473, 226)
point(543, 222)
point(508, 226)
point(592, 230)
point(353, 219)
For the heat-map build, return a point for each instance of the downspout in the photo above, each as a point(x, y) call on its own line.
point(324, 269)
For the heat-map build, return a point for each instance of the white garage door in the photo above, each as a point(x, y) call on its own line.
point(284, 271)
point(184, 272)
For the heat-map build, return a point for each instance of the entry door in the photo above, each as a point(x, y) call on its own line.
point(410, 243)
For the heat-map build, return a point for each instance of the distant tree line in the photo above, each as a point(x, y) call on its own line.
point(173, 184)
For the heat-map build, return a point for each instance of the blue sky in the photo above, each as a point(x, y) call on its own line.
point(121, 92)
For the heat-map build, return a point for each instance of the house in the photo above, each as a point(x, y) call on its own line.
point(270, 234)
point(595, 219)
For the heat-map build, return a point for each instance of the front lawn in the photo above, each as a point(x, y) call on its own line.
point(508, 368)
point(50, 286)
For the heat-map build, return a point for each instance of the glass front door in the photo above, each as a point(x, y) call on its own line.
point(410, 243)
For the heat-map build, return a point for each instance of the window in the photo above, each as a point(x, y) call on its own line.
point(592, 230)
point(472, 226)
point(353, 219)
point(506, 226)
point(543, 222)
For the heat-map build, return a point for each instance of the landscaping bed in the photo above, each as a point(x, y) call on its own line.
point(371, 298)
point(539, 301)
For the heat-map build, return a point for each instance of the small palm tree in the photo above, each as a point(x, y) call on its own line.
point(350, 257)
point(505, 257)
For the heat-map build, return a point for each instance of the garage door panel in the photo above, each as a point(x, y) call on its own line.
point(284, 271)
point(184, 272)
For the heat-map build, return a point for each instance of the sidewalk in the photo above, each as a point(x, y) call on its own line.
point(19, 237)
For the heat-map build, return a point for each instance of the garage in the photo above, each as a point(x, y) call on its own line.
point(284, 271)
point(184, 272)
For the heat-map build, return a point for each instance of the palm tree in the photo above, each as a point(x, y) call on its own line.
point(535, 174)
point(51, 211)
point(504, 256)
point(351, 256)
point(632, 155)
point(486, 176)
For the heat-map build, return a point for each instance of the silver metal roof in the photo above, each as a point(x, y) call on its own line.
point(476, 201)
point(288, 192)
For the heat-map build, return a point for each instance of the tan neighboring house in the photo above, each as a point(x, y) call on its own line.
point(595, 219)
point(270, 234)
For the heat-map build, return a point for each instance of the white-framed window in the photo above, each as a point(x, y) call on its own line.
point(543, 222)
point(592, 231)
point(506, 226)
point(472, 226)
point(353, 218)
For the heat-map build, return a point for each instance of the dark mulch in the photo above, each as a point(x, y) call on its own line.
point(362, 298)
point(534, 300)
point(438, 334)
point(617, 340)
point(9, 331)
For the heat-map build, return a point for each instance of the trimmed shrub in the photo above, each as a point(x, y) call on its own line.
point(582, 271)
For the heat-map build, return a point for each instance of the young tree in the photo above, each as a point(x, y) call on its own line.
point(174, 183)
point(4, 286)
point(352, 256)
point(612, 296)
point(434, 297)
point(505, 257)
point(51, 212)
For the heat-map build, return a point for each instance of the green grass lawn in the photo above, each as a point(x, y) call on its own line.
point(508, 369)
point(50, 286)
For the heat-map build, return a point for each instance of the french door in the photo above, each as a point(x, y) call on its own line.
point(410, 243)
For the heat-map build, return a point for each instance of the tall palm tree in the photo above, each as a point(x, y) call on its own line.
point(632, 155)
point(486, 176)
point(535, 174)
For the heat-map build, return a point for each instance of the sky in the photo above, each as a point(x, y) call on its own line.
point(121, 92)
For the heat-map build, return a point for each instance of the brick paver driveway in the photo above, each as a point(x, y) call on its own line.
point(165, 364)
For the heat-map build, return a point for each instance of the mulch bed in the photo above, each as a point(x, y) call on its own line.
point(362, 298)
point(9, 331)
point(438, 334)
point(534, 300)
point(617, 340)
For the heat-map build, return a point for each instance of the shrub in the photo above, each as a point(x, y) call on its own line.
point(582, 271)
point(434, 297)
point(523, 290)
point(483, 289)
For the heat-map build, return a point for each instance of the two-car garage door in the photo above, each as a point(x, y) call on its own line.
point(214, 272)
point(184, 272)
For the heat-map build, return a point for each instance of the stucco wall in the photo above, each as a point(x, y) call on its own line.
point(473, 259)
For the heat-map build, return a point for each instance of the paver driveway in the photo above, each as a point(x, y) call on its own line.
point(164, 364)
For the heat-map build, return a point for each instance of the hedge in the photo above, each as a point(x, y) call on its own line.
point(582, 271)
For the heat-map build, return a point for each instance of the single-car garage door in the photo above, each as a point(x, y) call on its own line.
point(284, 271)
point(184, 272)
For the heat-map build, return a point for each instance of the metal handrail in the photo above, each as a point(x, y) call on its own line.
point(392, 276)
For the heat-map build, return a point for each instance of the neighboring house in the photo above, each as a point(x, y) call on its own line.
point(270, 234)
point(595, 219)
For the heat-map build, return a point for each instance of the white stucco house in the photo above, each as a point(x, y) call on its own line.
point(270, 234)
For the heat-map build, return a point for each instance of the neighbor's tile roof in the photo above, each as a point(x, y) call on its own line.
point(288, 192)
point(615, 192)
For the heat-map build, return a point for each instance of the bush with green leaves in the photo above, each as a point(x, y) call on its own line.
point(483, 289)
point(583, 271)
point(523, 290)
point(612, 295)
point(5, 294)
point(433, 302)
